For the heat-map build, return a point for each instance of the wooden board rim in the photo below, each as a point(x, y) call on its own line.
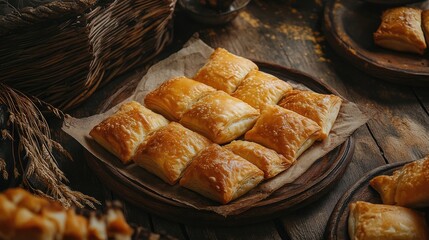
point(178, 212)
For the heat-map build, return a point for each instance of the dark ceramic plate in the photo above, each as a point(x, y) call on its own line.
point(210, 16)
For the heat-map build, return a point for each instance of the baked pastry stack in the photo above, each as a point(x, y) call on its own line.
point(228, 99)
point(407, 187)
point(404, 29)
point(25, 216)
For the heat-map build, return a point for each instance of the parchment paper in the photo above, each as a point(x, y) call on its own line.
point(186, 62)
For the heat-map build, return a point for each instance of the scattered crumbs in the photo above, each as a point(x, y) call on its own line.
point(293, 10)
point(249, 19)
point(318, 2)
point(211, 33)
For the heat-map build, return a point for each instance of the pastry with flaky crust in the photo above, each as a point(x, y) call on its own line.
point(168, 151)
point(321, 108)
point(425, 24)
point(220, 117)
point(369, 221)
point(176, 96)
point(259, 89)
point(224, 70)
point(123, 132)
point(401, 30)
point(220, 175)
point(407, 186)
point(284, 131)
point(268, 160)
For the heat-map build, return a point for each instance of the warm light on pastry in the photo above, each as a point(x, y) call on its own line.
point(220, 117)
point(221, 175)
point(284, 131)
point(176, 96)
point(168, 151)
point(321, 108)
point(123, 132)
point(259, 89)
point(369, 221)
point(268, 160)
point(224, 70)
point(401, 30)
point(425, 24)
point(407, 186)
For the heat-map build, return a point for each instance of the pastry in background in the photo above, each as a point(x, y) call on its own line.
point(369, 221)
point(321, 108)
point(259, 89)
point(168, 151)
point(224, 70)
point(425, 24)
point(401, 30)
point(220, 117)
point(284, 131)
point(125, 130)
point(220, 175)
point(408, 186)
point(268, 160)
point(175, 96)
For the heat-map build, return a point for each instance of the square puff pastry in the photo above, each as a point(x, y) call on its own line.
point(401, 30)
point(176, 96)
point(284, 131)
point(220, 175)
point(220, 117)
point(259, 89)
point(123, 132)
point(369, 221)
point(321, 108)
point(268, 160)
point(406, 187)
point(224, 70)
point(168, 151)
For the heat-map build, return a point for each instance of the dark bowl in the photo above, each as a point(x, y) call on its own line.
point(211, 16)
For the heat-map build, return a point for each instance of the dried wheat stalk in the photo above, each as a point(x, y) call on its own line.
point(36, 145)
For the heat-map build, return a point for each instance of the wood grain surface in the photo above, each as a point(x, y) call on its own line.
point(288, 33)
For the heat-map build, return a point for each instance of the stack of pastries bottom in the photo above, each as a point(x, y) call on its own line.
point(406, 188)
point(229, 99)
point(25, 216)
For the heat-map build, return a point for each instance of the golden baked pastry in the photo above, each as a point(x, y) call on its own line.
point(123, 132)
point(425, 24)
point(259, 89)
point(176, 96)
point(220, 175)
point(224, 70)
point(268, 160)
point(401, 30)
point(220, 117)
point(168, 151)
point(369, 221)
point(406, 187)
point(284, 131)
point(321, 108)
point(25, 216)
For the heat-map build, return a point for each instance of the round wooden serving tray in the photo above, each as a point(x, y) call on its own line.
point(337, 227)
point(349, 26)
point(310, 186)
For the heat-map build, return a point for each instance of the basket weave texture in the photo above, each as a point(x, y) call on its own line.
point(62, 51)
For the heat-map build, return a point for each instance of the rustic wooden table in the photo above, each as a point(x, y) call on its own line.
point(286, 33)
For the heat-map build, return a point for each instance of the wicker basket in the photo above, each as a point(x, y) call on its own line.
point(62, 51)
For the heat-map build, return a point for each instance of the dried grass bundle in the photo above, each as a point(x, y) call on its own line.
point(35, 147)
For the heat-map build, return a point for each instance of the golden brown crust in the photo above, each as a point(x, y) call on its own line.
point(123, 132)
point(220, 117)
point(268, 160)
point(321, 108)
point(406, 187)
point(284, 131)
point(425, 24)
point(221, 175)
point(401, 30)
point(384, 222)
point(169, 150)
point(176, 96)
point(224, 70)
point(259, 89)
